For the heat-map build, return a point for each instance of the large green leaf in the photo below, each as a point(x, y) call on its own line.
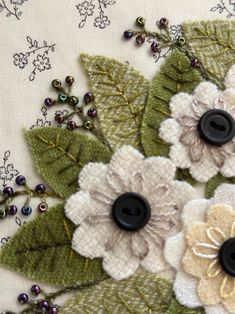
point(215, 182)
point(142, 293)
point(213, 44)
point(41, 250)
point(176, 75)
point(120, 97)
point(60, 154)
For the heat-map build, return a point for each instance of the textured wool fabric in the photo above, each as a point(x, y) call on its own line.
point(25, 82)
point(200, 280)
point(98, 235)
point(188, 149)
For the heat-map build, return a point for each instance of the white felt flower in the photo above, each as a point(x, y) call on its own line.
point(125, 210)
point(203, 253)
point(201, 130)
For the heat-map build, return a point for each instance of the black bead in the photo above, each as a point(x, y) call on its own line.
point(131, 211)
point(128, 34)
point(216, 127)
point(227, 256)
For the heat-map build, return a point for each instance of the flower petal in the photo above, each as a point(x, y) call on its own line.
point(180, 193)
point(195, 211)
point(229, 97)
point(180, 105)
point(216, 309)
point(174, 250)
point(170, 131)
point(203, 170)
point(229, 81)
point(89, 240)
point(206, 93)
point(228, 169)
point(209, 290)
point(185, 288)
point(80, 205)
point(225, 194)
point(229, 304)
point(180, 156)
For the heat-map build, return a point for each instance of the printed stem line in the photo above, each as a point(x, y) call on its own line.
point(9, 11)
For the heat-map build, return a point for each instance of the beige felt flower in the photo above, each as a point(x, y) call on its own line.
point(125, 210)
point(204, 253)
point(200, 140)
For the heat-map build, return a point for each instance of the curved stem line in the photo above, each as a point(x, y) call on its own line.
point(9, 11)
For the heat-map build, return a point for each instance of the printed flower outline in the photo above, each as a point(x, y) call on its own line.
point(86, 8)
point(42, 63)
point(189, 149)
point(195, 253)
point(92, 210)
point(18, 2)
point(8, 172)
point(101, 21)
point(20, 60)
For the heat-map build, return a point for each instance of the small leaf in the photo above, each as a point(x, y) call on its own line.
point(60, 154)
point(176, 308)
point(184, 175)
point(120, 97)
point(215, 182)
point(142, 293)
point(176, 75)
point(41, 250)
point(213, 44)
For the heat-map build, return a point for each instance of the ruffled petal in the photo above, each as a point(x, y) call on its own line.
point(229, 97)
point(225, 194)
point(209, 290)
point(185, 288)
point(180, 156)
point(174, 250)
point(195, 211)
point(203, 170)
point(206, 93)
point(180, 193)
point(228, 169)
point(181, 105)
point(229, 81)
point(170, 131)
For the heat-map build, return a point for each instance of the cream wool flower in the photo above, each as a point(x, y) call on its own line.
point(203, 253)
point(125, 210)
point(201, 130)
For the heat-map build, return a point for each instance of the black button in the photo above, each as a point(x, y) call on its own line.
point(131, 211)
point(216, 127)
point(227, 256)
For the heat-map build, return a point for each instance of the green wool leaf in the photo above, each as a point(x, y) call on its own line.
point(176, 308)
point(120, 97)
point(142, 293)
point(184, 175)
point(60, 154)
point(215, 182)
point(41, 250)
point(176, 75)
point(213, 44)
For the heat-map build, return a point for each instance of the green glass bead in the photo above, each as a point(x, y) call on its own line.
point(140, 21)
point(62, 98)
point(88, 125)
point(73, 100)
point(2, 214)
point(181, 41)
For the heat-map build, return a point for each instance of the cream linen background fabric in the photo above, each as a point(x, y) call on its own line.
point(57, 23)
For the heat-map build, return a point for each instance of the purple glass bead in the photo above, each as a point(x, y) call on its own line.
point(53, 310)
point(48, 102)
point(40, 188)
point(92, 113)
point(194, 63)
point(44, 304)
point(42, 207)
point(163, 22)
point(128, 34)
point(36, 290)
point(59, 117)
point(23, 298)
point(71, 125)
point(88, 97)
point(154, 47)
point(12, 210)
point(8, 191)
point(140, 39)
point(20, 180)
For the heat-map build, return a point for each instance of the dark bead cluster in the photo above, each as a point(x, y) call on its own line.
point(9, 194)
point(45, 305)
point(158, 39)
point(64, 97)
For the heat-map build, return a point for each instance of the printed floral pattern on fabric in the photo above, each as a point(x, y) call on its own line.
point(88, 8)
point(195, 120)
point(225, 6)
point(39, 54)
point(202, 253)
point(12, 7)
point(105, 221)
point(7, 170)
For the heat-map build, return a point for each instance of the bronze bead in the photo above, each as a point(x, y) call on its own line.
point(69, 80)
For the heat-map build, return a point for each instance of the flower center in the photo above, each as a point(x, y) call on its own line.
point(131, 211)
point(227, 256)
point(216, 127)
